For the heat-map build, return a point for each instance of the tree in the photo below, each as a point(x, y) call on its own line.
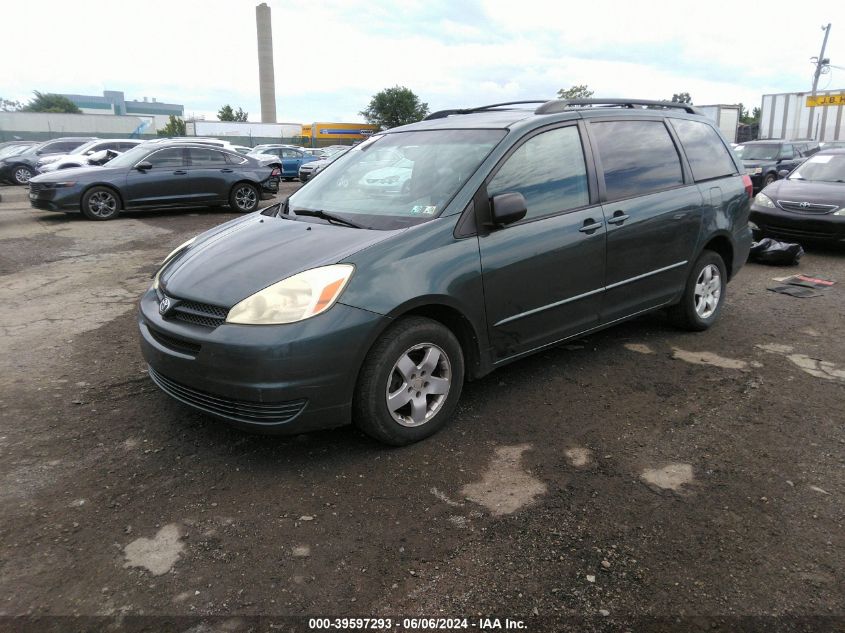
point(50, 102)
point(748, 119)
point(175, 127)
point(8, 105)
point(226, 113)
point(393, 107)
point(682, 97)
point(578, 91)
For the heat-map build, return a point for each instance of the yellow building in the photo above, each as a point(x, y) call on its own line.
point(322, 133)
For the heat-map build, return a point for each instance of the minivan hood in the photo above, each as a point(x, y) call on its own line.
point(232, 262)
point(807, 191)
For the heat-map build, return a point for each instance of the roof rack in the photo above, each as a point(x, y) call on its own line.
point(559, 105)
point(442, 114)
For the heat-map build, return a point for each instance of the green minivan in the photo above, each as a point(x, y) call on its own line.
point(489, 233)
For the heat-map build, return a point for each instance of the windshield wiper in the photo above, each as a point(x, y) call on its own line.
point(329, 217)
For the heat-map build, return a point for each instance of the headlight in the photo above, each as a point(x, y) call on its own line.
point(167, 259)
point(762, 200)
point(839, 211)
point(293, 299)
point(66, 183)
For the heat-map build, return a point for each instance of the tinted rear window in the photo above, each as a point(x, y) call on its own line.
point(638, 157)
point(707, 155)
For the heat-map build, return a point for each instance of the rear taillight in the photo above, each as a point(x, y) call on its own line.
point(749, 186)
point(278, 172)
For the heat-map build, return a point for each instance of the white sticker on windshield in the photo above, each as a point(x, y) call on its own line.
point(821, 159)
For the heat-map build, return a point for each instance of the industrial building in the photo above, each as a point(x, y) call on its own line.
point(113, 102)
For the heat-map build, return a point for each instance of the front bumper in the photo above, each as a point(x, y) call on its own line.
point(796, 226)
point(50, 199)
point(271, 379)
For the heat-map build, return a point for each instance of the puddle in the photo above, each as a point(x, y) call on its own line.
point(708, 358)
point(670, 477)
point(157, 555)
point(639, 348)
point(505, 487)
point(578, 457)
point(813, 366)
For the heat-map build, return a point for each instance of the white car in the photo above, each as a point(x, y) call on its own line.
point(79, 157)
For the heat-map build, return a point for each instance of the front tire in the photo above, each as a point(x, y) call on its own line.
point(769, 179)
point(704, 294)
point(410, 382)
point(100, 203)
point(244, 197)
point(21, 174)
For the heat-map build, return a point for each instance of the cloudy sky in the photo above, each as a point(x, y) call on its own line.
point(331, 56)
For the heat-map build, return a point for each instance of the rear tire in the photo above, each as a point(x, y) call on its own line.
point(410, 382)
point(244, 197)
point(704, 294)
point(100, 203)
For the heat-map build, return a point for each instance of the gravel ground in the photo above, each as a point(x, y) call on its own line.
point(640, 478)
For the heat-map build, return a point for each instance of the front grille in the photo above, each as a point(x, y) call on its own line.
point(200, 313)
point(239, 410)
point(806, 207)
point(35, 187)
point(798, 234)
point(175, 343)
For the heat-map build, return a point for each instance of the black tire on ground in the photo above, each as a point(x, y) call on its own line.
point(704, 294)
point(769, 179)
point(413, 363)
point(100, 203)
point(244, 197)
point(21, 174)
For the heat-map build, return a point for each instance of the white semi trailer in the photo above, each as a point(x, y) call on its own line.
point(787, 116)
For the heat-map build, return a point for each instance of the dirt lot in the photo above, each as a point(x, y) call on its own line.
point(643, 472)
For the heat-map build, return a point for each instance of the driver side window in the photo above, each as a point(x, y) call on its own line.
point(548, 170)
point(167, 158)
point(786, 152)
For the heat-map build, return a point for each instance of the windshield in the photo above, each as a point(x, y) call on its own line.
point(132, 156)
point(400, 179)
point(85, 147)
point(760, 151)
point(13, 150)
point(822, 168)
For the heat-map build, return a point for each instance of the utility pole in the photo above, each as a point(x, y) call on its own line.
point(821, 62)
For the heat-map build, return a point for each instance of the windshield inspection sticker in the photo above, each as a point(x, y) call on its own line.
point(423, 210)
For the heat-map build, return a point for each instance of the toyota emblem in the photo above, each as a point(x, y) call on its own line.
point(164, 306)
point(804, 205)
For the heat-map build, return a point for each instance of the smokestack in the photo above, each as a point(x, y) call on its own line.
point(266, 76)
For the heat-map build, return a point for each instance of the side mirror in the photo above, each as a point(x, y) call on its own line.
point(783, 173)
point(508, 208)
point(144, 166)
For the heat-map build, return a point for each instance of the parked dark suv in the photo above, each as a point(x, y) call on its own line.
point(521, 227)
point(764, 161)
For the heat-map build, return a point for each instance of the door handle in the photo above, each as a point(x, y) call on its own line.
point(226, 171)
point(618, 218)
point(590, 226)
point(180, 172)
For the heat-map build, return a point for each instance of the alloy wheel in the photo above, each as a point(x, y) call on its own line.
point(418, 384)
point(708, 291)
point(245, 198)
point(102, 204)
